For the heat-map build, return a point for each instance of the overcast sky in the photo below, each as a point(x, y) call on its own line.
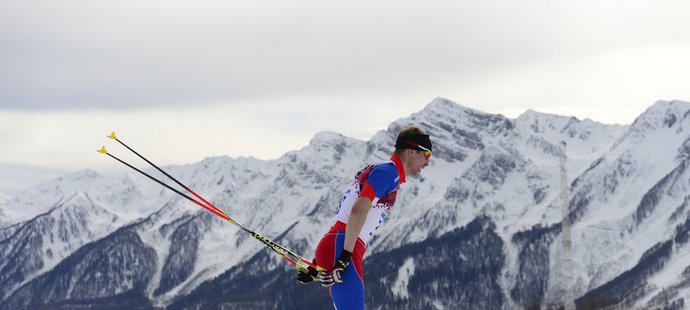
point(183, 80)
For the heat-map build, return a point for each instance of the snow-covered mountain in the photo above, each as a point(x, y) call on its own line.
point(479, 229)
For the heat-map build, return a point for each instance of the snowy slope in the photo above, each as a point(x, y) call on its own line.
point(628, 186)
point(122, 194)
point(39, 244)
point(636, 199)
point(4, 198)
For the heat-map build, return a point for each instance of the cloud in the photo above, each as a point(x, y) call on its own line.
point(14, 178)
point(133, 54)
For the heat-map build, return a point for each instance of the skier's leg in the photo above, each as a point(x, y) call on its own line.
point(350, 293)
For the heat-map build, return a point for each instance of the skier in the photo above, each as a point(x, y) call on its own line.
point(362, 210)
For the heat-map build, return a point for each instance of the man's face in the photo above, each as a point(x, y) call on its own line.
point(417, 162)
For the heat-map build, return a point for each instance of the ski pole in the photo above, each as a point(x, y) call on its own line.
point(276, 247)
point(284, 252)
point(114, 137)
point(222, 215)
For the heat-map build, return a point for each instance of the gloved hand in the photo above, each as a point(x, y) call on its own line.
point(308, 276)
point(330, 277)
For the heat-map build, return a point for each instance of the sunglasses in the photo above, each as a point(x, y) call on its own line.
point(427, 152)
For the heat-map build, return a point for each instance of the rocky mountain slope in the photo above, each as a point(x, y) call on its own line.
point(479, 228)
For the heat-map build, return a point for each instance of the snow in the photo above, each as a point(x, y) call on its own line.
point(305, 186)
point(607, 240)
point(4, 198)
point(78, 222)
point(405, 272)
point(670, 274)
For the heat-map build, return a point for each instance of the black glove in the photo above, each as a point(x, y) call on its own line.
point(306, 276)
point(330, 277)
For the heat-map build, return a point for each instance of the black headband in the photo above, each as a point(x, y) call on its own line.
point(411, 142)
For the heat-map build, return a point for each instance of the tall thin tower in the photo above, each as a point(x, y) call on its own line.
point(569, 300)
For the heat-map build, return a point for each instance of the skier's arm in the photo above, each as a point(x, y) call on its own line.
point(355, 222)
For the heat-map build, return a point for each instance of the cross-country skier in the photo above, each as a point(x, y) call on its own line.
point(362, 210)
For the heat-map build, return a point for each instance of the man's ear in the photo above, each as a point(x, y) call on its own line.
point(408, 153)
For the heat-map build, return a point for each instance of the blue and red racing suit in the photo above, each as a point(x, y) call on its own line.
point(380, 183)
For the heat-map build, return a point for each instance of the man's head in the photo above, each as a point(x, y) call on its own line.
point(413, 147)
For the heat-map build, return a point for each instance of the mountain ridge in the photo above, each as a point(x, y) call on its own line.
point(486, 168)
